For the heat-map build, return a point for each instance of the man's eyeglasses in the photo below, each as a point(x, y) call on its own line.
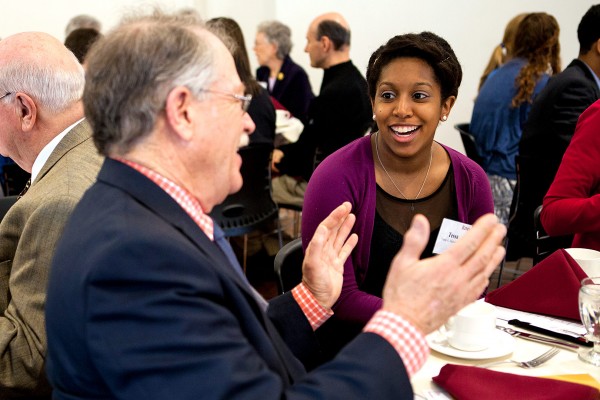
point(6, 94)
point(245, 100)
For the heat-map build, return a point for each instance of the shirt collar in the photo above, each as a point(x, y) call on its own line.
point(593, 74)
point(41, 159)
point(189, 203)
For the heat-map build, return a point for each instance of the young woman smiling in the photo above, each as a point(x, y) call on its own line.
point(395, 173)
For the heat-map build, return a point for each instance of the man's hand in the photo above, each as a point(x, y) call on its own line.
point(275, 159)
point(428, 292)
point(323, 267)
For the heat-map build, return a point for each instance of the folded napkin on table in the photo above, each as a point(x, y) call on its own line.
point(550, 287)
point(465, 383)
point(287, 125)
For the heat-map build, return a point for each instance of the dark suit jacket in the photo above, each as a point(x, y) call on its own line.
point(546, 135)
point(156, 312)
point(292, 87)
point(554, 113)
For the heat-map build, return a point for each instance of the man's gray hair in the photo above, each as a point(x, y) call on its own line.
point(52, 87)
point(279, 34)
point(132, 70)
point(82, 21)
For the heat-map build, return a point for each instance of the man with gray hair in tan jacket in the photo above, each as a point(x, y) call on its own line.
point(42, 128)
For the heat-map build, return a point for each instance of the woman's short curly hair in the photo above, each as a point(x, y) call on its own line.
point(277, 33)
point(426, 46)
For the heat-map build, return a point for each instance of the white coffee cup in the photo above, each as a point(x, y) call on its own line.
point(472, 328)
point(588, 260)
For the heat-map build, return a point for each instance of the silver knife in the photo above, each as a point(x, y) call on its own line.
point(538, 338)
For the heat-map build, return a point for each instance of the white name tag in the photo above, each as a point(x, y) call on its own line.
point(450, 232)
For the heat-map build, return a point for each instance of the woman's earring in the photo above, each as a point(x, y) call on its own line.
point(444, 118)
point(373, 117)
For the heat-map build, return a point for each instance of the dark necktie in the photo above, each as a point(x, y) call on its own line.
point(279, 344)
point(219, 237)
point(25, 189)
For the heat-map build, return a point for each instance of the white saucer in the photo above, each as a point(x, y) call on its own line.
point(502, 345)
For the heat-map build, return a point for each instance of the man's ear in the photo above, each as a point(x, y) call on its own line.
point(179, 113)
point(326, 43)
point(27, 111)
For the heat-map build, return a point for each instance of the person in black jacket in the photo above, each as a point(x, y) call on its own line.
point(548, 131)
point(341, 113)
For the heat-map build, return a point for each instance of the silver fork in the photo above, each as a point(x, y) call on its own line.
point(527, 364)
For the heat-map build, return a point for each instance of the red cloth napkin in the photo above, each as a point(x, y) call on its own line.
point(550, 287)
point(465, 383)
point(277, 104)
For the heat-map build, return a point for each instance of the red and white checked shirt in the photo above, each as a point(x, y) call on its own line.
point(403, 336)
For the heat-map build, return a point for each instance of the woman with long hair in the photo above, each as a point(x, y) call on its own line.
point(503, 51)
point(502, 106)
point(261, 108)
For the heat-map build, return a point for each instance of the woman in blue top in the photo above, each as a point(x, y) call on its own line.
point(504, 101)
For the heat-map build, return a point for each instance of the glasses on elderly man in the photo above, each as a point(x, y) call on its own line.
point(245, 100)
point(6, 94)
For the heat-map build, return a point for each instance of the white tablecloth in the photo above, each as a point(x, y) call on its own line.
point(565, 362)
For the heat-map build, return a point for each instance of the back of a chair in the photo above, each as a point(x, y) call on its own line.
point(534, 177)
point(252, 206)
point(5, 204)
point(14, 179)
point(545, 244)
point(469, 143)
point(288, 265)
point(521, 232)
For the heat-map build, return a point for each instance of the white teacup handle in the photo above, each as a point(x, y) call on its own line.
point(446, 329)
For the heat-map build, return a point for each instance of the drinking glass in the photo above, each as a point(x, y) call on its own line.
point(589, 310)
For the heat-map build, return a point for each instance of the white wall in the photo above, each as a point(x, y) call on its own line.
point(52, 16)
point(473, 28)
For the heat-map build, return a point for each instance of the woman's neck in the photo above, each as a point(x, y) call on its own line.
point(404, 165)
point(274, 66)
point(412, 177)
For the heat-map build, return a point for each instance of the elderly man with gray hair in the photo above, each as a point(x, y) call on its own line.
point(43, 131)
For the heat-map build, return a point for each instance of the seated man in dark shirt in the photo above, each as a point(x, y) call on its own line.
point(340, 114)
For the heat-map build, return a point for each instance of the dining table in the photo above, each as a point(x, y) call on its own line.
point(565, 364)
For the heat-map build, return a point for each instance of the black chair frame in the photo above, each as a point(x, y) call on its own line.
point(544, 243)
point(252, 207)
point(5, 204)
point(288, 265)
point(469, 143)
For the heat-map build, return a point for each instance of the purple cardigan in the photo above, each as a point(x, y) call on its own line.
point(349, 175)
